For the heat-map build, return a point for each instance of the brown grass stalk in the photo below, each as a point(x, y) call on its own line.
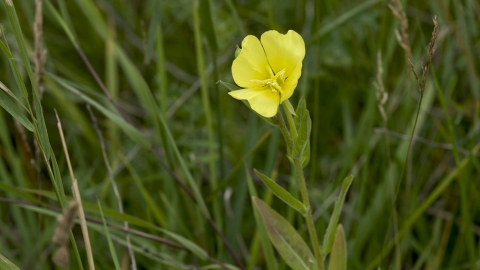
point(77, 196)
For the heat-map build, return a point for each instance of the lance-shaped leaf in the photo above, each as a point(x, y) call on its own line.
point(332, 225)
point(304, 127)
point(6, 264)
point(207, 25)
point(13, 110)
point(290, 108)
point(306, 155)
point(231, 87)
point(282, 194)
point(285, 238)
point(262, 232)
point(44, 142)
point(338, 258)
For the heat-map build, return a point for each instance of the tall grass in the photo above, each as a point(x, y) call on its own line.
point(181, 151)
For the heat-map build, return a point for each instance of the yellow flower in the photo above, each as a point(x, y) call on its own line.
point(268, 71)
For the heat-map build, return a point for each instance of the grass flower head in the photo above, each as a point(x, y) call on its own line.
point(268, 69)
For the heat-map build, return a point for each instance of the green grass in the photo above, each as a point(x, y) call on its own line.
point(182, 151)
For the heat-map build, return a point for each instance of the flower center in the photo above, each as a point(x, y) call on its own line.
point(275, 82)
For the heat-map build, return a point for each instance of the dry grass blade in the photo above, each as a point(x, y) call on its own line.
point(76, 195)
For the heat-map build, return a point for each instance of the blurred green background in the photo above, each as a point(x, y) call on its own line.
point(146, 54)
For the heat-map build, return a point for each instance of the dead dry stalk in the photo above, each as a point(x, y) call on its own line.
point(382, 95)
point(62, 233)
point(431, 51)
point(402, 36)
point(78, 199)
point(39, 53)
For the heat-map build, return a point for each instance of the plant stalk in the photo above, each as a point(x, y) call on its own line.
point(303, 188)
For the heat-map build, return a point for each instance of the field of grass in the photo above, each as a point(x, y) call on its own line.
point(120, 102)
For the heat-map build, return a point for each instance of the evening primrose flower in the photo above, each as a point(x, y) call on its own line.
point(268, 70)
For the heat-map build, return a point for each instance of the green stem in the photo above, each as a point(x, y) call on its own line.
point(303, 188)
point(283, 128)
point(208, 112)
point(308, 217)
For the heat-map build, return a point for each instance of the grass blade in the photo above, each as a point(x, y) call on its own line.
point(109, 239)
point(6, 264)
point(329, 237)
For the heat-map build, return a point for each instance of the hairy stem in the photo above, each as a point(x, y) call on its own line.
point(303, 188)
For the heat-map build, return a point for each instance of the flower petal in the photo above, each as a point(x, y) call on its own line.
point(283, 51)
point(264, 102)
point(251, 63)
point(291, 82)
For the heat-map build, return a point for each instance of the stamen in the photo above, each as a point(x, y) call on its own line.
point(275, 82)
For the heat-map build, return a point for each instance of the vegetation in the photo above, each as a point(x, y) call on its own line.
point(119, 111)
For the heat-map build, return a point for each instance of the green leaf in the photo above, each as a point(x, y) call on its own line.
point(42, 128)
point(285, 238)
point(109, 238)
point(304, 127)
point(282, 194)
point(109, 212)
point(261, 230)
point(206, 23)
point(62, 22)
point(131, 132)
point(231, 87)
point(5, 50)
point(14, 111)
point(332, 225)
point(217, 266)
point(338, 258)
point(306, 155)
point(290, 108)
point(237, 51)
point(191, 246)
point(5, 264)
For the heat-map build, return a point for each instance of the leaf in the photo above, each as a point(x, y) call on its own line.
point(237, 51)
point(231, 87)
point(332, 225)
point(206, 23)
point(218, 266)
point(306, 155)
point(42, 128)
point(131, 132)
point(7, 51)
point(285, 238)
point(261, 230)
point(14, 111)
point(338, 258)
point(290, 108)
point(282, 194)
point(109, 238)
point(109, 212)
point(191, 246)
point(304, 127)
point(5, 264)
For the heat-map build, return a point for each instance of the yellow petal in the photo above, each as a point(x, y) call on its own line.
point(291, 82)
point(264, 102)
point(284, 52)
point(251, 63)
